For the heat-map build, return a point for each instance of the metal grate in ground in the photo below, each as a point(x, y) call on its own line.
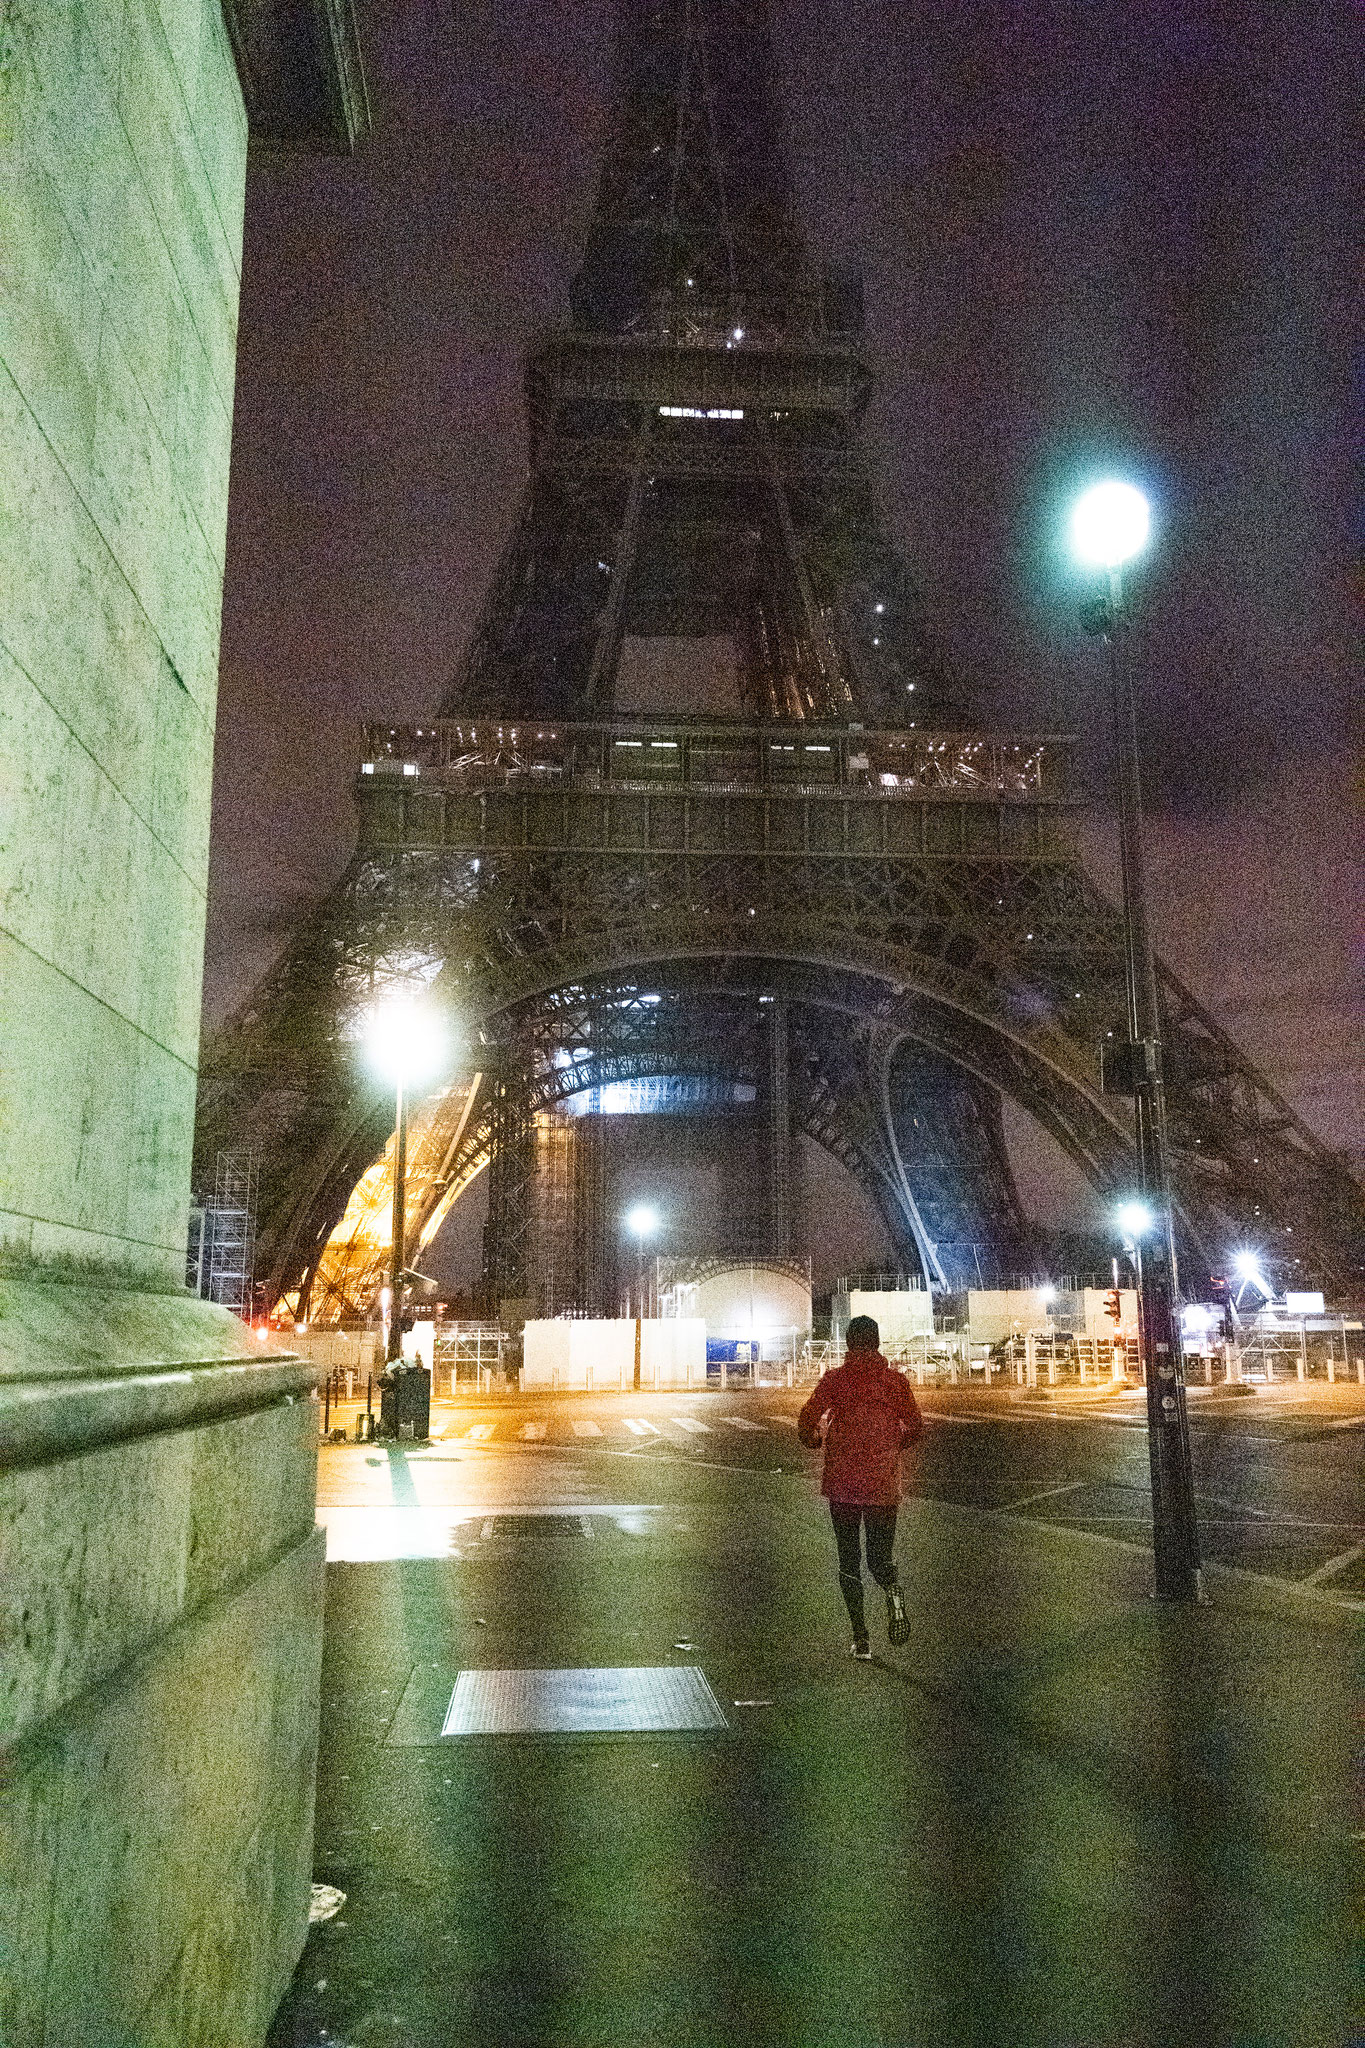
point(643, 1699)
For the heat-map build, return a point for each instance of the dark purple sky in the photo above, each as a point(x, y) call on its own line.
point(1106, 233)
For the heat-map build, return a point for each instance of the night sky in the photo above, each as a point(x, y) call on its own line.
point(1108, 234)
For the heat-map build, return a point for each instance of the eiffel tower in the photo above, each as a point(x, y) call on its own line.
point(699, 819)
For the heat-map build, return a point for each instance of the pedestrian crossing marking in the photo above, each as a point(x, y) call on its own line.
point(741, 1422)
point(691, 1422)
point(582, 1427)
point(640, 1427)
point(530, 1432)
point(480, 1433)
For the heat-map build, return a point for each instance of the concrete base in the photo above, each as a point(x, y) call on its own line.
point(162, 1623)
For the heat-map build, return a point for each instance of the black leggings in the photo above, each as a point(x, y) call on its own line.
point(849, 1520)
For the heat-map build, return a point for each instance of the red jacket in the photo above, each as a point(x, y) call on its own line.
point(872, 1415)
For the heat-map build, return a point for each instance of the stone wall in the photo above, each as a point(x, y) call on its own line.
point(161, 1575)
point(123, 160)
point(160, 1651)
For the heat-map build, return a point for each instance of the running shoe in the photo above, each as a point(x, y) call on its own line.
point(861, 1649)
point(897, 1620)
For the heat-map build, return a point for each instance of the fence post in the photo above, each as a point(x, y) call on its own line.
point(1303, 1348)
point(1030, 1360)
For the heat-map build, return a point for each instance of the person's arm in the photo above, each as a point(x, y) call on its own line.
point(813, 1414)
point(912, 1422)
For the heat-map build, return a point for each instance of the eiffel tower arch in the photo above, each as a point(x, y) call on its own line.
point(700, 813)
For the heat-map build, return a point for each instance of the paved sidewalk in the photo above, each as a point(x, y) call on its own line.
point(1064, 1815)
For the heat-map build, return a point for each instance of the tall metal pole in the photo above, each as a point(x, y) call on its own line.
point(397, 1262)
point(1175, 1533)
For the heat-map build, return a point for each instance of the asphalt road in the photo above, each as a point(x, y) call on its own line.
point(1280, 1475)
point(1063, 1816)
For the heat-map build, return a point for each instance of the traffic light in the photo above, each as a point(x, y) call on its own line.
point(1113, 1306)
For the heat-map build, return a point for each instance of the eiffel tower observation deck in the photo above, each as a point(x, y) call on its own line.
point(701, 815)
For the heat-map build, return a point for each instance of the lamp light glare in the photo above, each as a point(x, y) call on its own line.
point(1110, 524)
point(1247, 1266)
point(642, 1221)
point(405, 1042)
point(1134, 1219)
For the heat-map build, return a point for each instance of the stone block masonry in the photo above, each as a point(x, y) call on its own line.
point(123, 142)
point(160, 1572)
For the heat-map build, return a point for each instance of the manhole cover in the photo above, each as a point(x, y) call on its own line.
point(622, 1700)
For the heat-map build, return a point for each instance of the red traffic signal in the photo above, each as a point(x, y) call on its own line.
point(1113, 1306)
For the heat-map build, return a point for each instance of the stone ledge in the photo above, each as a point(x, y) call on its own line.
point(84, 1362)
point(301, 72)
point(64, 1416)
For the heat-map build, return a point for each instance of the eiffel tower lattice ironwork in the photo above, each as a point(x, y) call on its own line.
point(699, 813)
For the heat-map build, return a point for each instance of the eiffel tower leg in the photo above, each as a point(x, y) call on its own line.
point(949, 1136)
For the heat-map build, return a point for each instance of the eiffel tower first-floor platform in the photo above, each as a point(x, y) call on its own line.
point(881, 934)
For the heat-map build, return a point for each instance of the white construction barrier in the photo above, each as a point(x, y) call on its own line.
point(599, 1355)
point(900, 1313)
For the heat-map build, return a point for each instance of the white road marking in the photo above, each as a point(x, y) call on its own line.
point(1334, 1566)
point(531, 1431)
point(640, 1427)
point(480, 1432)
point(741, 1422)
point(691, 1423)
point(582, 1427)
point(1048, 1493)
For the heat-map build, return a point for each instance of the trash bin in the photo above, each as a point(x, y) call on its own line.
point(405, 1402)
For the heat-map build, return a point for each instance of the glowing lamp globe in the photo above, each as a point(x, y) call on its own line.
point(405, 1042)
point(1110, 524)
point(642, 1220)
point(1134, 1219)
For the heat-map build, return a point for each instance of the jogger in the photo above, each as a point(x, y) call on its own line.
point(871, 1416)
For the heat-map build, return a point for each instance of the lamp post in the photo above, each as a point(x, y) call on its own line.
point(1109, 527)
point(642, 1222)
point(406, 1045)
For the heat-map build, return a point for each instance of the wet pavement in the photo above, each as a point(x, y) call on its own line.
point(1062, 1814)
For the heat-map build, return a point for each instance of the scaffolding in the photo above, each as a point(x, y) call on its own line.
point(223, 1233)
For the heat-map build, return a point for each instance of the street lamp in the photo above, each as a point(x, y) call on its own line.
point(642, 1221)
point(406, 1045)
point(1109, 527)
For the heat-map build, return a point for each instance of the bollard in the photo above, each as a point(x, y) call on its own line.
point(327, 1405)
point(724, 1375)
point(1303, 1350)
